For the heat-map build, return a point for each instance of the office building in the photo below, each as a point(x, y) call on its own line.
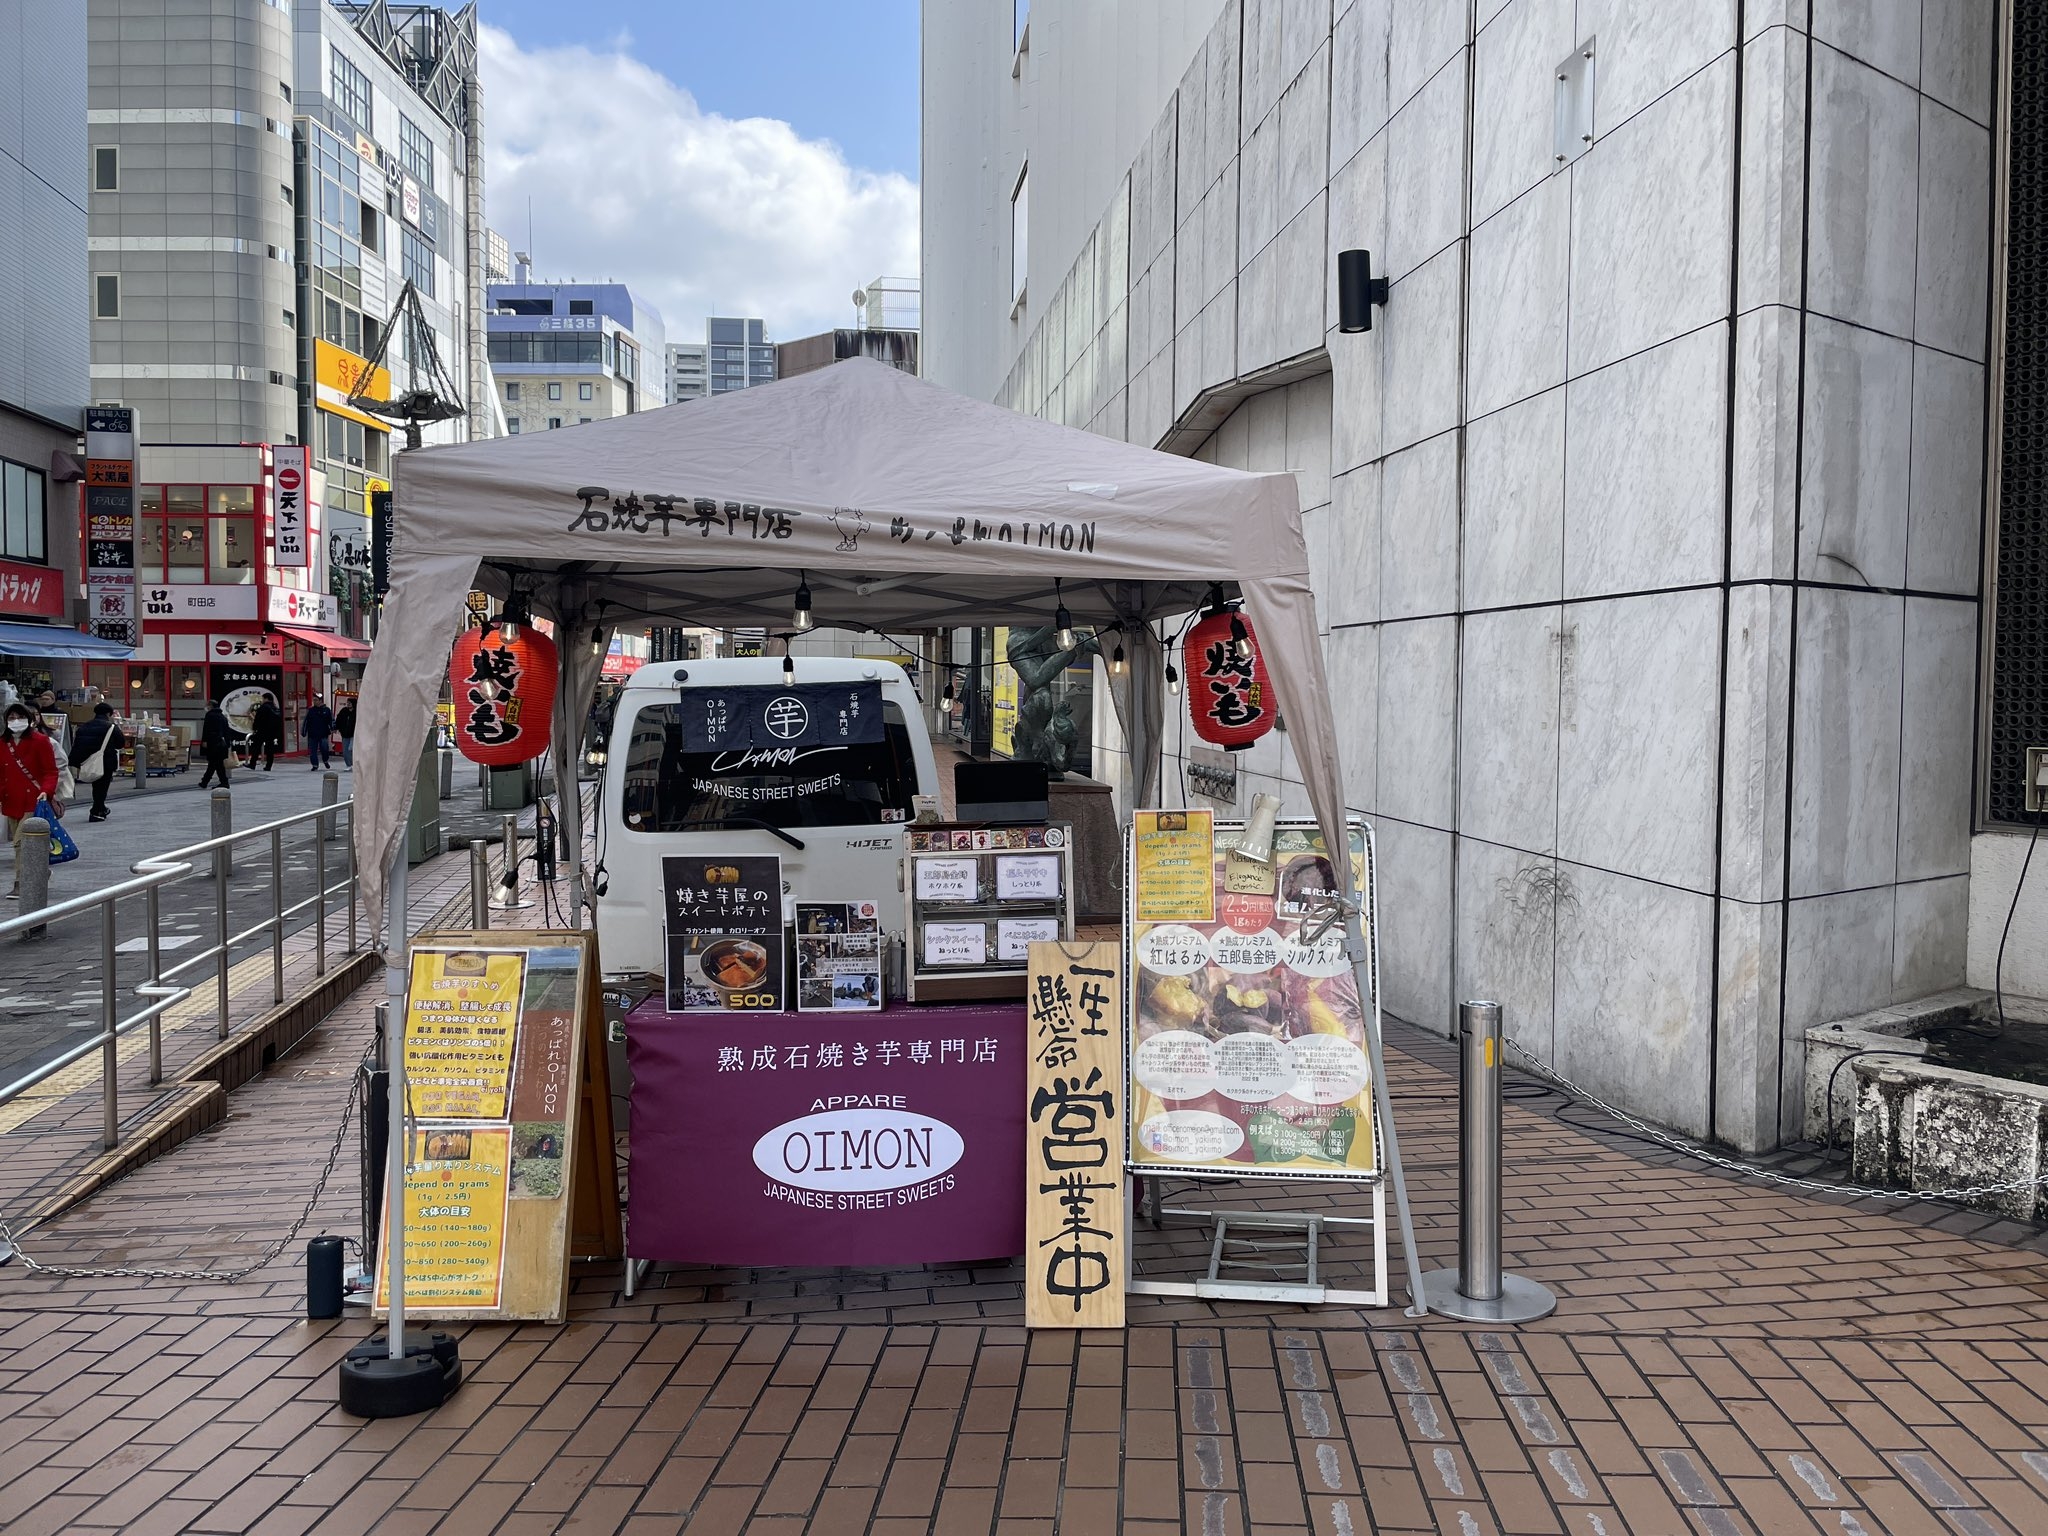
point(266, 180)
point(687, 379)
point(1644, 520)
point(738, 354)
point(43, 338)
point(566, 353)
point(807, 353)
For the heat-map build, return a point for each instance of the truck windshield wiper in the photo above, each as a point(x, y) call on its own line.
point(748, 821)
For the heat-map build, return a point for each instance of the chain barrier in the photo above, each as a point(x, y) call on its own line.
point(227, 1276)
point(1538, 1068)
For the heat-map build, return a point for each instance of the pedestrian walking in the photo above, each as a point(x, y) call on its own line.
point(216, 744)
point(318, 729)
point(28, 772)
point(266, 733)
point(345, 726)
point(95, 753)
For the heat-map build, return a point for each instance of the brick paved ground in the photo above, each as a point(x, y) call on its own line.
point(1727, 1358)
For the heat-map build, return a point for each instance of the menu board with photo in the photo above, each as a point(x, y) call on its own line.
point(723, 921)
point(1248, 1050)
point(978, 898)
point(839, 957)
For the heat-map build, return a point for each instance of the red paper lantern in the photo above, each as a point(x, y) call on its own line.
point(1230, 697)
point(504, 692)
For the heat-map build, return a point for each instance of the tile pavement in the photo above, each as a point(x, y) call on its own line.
point(1729, 1359)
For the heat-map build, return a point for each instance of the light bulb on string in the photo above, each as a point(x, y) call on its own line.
point(1116, 660)
point(1172, 680)
point(1240, 638)
point(1061, 619)
point(788, 667)
point(597, 641)
point(801, 619)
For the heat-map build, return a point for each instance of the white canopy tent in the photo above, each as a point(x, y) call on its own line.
point(901, 505)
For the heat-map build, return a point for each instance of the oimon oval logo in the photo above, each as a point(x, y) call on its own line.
point(858, 1149)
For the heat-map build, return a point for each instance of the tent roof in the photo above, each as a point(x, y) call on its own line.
point(905, 506)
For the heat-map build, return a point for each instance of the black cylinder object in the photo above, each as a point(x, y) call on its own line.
point(1354, 291)
point(323, 1277)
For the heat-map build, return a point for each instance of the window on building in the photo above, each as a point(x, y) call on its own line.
point(106, 168)
point(554, 422)
point(512, 425)
point(106, 295)
point(583, 392)
point(1020, 233)
point(1021, 9)
point(369, 218)
point(350, 88)
point(554, 391)
point(416, 149)
point(24, 531)
point(418, 261)
point(512, 390)
point(581, 307)
point(581, 419)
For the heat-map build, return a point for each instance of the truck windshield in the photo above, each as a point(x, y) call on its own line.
point(669, 789)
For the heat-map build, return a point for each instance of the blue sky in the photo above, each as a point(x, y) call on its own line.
point(754, 158)
point(844, 70)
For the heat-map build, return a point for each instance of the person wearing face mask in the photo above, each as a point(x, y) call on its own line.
point(28, 771)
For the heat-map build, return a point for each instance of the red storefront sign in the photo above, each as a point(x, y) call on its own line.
point(31, 589)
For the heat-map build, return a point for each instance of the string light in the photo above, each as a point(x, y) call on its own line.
point(597, 641)
point(518, 611)
point(1172, 680)
point(788, 666)
point(801, 619)
point(1062, 619)
point(1116, 660)
point(1240, 638)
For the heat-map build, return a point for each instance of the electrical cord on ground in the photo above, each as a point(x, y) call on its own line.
point(1675, 1143)
point(226, 1276)
point(1998, 970)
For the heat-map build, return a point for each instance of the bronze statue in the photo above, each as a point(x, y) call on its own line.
point(1045, 719)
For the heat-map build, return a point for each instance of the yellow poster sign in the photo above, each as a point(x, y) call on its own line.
point(1173, 851)
point(1003, 711)
point(457, 1180)
point(462, 1016)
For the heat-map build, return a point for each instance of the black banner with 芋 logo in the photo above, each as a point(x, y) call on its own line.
point(801, 716)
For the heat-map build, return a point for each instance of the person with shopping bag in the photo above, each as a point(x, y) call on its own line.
point(28, 775)
point(95, 755)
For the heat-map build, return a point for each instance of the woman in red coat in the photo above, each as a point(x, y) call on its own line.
point(28, 770)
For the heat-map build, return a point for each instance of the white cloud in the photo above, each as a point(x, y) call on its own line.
point(631, 180)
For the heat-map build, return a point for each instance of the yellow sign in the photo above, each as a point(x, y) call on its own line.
point(1003, 725)
point(1073, 1182)
point(461, 1018)
point(339, 368)
point(457, 1180)
point(1174, 852)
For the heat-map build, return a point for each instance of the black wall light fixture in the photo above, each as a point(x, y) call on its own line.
point(1357, 291)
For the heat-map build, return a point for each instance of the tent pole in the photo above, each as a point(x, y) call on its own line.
point(398, 971)
point(1383, 1106)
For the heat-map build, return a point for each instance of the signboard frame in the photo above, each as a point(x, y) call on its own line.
point(558, 1060)
point(1363, 925)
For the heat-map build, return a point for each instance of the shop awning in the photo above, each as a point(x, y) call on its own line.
point(338, 646)
point(56, 640)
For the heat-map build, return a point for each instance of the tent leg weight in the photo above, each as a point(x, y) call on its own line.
point(374, 1385)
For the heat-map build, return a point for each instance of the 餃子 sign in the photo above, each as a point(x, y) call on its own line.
point(1247, 1033)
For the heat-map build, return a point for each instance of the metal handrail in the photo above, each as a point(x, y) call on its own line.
point(150, 876)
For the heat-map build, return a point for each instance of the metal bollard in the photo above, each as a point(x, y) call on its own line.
point(447, 773)
point(223, 824)
point(507, 897)
point(1478, 1291)
point(140, 744)
point(479, 886)
point(330, 794)
point(32, 872)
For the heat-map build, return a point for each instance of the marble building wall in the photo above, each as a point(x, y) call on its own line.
point(1647, 537)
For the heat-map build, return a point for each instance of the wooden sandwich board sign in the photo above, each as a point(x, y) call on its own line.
point(1075, 1227)
point(511, 1169)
